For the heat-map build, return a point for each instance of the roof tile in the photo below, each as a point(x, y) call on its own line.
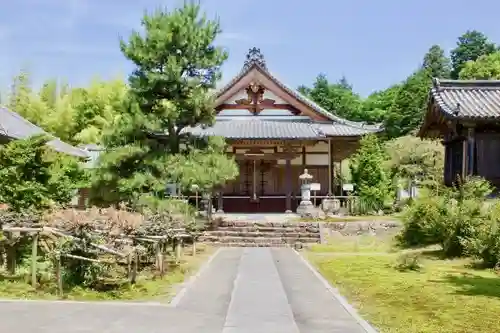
point(14, 126)
point(479, 99)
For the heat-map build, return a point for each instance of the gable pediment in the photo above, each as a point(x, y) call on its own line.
point(257, 90)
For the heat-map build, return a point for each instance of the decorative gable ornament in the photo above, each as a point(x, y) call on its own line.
point(254, 56)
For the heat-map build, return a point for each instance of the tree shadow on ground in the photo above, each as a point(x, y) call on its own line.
point(475, 285)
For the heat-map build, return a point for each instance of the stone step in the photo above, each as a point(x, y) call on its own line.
point(268, 224)
point(219, 244)
point(248, 234)
point(270, 229)
point(258, 240)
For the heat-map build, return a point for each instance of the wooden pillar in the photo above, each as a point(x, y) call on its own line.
point(465, 158)
point(330, 168)
point(341, 180)
point(220, 202)
point(471, 142)
point(288, 185)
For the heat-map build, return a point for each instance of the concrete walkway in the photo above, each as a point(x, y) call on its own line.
point(243, 290)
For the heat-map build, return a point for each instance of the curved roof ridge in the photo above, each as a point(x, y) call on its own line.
point(299, 96)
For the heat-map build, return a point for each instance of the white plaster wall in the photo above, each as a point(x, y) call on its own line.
point(239, 95)
point(318, 147)
point(295, 161)
point(270, 95)
point(316, 159)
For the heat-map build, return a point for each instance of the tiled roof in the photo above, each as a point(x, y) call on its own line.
point(257, 65)
point(471, 99)
point(259, 129)
point(275, 129)
point(14, 126)
point(345, 130)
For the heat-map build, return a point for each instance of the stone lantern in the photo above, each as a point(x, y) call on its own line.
point(305, 207)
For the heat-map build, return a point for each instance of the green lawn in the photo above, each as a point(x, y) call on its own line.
point(362, 243)
point(444, 296)
point(359, 218)
point(145, 289)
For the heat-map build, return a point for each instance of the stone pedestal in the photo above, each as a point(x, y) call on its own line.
point(306, 207)
point(331, 206)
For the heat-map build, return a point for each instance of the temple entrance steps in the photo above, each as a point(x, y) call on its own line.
point(228, 233)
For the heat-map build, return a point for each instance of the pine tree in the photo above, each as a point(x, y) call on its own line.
point(176, 68)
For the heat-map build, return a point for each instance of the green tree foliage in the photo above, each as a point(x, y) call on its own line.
point(338, 98)
point(408, 108)
point(177, 66)
point(376, 105)
point(413, 158)
point(97, 108)
point(486, 67)
point(470, 46)
point(437, 63)
point(77, 115)
point(34, 177)
point(368, 173)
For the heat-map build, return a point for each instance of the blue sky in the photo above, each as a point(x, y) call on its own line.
point(373, 43)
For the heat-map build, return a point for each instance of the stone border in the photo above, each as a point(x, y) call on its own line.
point(334, 291)
point(187, 284)
point(103, 303)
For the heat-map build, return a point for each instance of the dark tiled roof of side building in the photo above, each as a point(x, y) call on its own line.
point(13, 126)
point(468, 99)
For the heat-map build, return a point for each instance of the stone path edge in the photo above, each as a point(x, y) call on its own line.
point(341, 299)
point(187, 284)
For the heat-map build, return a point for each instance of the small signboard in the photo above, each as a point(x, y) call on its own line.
point(348, 187)
point(315, 187)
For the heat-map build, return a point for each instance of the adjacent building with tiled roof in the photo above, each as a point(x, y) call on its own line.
point(466, 114)
point(13, 126)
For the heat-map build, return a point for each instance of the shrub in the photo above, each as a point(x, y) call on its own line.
point(485, 242)
point(450, 220)
point(409, 262)
point(422, 221)
point(369, 176)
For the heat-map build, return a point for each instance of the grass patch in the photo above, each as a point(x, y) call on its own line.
point(361, 243)
point(443, 296)
point(147, 288)
point(360, 218)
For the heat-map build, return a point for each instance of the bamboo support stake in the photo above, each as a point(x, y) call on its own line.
point(160, 258)
point(129, 266)
point(11, 254)
point(135, 267)
point(59, 274)
point(178, 249)
point(194, 248)
point(34, 248)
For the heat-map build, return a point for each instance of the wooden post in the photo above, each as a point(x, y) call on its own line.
point(220, 202)
point(133, 276)
point(194, 247)
point(161, 262)
point(178, 250)
point(288, 184)
point(11, 254)
point(34, 248)
point(2, 258)
point(59, 274)
point(330, 167)
point(471, 139)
